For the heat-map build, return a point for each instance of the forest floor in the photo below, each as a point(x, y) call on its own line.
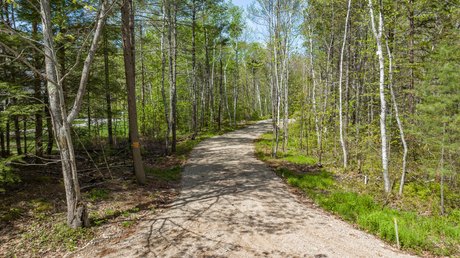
point(32, 211)
point(233, 205)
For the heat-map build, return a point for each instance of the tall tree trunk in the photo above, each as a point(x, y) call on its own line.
point(341, 129)
point(49, 125)
point(235, 87)
point(383, 132)
point(77, 215)
point(207, 94)
point(127, 16)
point(398, 119)
point(221, 91)
point(108, 95)
point(313, 98)
point(17, 134)
point(143, 84)
point(194, 75)
point(172, 37)
point(163, 77)
point(411, 96)
point(25, 133)
point(38, 98)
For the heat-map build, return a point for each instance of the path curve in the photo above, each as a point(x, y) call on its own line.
point(233, 205)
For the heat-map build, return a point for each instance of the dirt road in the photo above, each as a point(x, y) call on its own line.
point(233, 205)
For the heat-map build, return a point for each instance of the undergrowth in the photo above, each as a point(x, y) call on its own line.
point(438, 235)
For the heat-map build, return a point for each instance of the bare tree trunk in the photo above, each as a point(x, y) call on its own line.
point(410, 15)
point(163, 71)
point(383, 132)
point(25, 134)
point(221, 90)
point(127, 16)
point(49, 126)
point(77, 215)
point(38, 98)
point(194, 74)
point(172, 37)
point(207, 92)
point(108, 97)
point(398, 120)
point(143, 84)
point(17, 133)
point(226, 95)
point(341, 129)
point(313, 97)
point(235, 87)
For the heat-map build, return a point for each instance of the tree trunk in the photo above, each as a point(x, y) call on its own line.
point(143, 84)
point(77, 215)
point(172, 36)
point(221, 91)
point(383, 132)
point(127, 16)
point(313, 98)
point(163, 71)
point(17, 133)
point(38, 98)
point(49, 126)
point(235, 87)
point(411, 98)
point(25, 134)
point(341, 129)
point(398, 120)
point(194, 88)
point(108, 97)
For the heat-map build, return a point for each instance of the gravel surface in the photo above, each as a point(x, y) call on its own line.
point(233, 205)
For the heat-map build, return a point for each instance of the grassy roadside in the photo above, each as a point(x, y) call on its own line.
point(423, 234)
point(32, 212)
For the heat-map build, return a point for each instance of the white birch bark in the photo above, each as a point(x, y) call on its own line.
point(383, 131)
point(341, 129)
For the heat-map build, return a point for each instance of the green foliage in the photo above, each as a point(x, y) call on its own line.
point(11, 214)
point(59, 235)
point(437, 234)
point(41, 206)
point(98, 194)
point(7, 175)
point(166, 175)
point(440, 235)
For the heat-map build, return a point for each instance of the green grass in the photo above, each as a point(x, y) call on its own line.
point(439, 235)
point(166, 175)
point(58, 236)
point(98, 194)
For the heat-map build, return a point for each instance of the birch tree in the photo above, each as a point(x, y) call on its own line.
point(378, 31)
point(341, 129)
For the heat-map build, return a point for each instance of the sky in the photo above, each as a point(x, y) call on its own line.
point(253, 31)
point(242, 3)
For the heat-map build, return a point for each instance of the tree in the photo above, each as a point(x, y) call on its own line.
point(341, 129)
point(383, 131)
point(127, 16)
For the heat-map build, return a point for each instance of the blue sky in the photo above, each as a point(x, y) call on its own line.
point(242, 3)
point(252, 29)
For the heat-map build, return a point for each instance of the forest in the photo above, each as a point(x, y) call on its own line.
point(102, 100)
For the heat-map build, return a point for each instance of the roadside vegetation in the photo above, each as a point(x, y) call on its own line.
point(421, 228)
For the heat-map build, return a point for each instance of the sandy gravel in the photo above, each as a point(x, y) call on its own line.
point(233, 205)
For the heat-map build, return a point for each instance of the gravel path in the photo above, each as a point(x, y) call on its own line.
point(233, 205)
